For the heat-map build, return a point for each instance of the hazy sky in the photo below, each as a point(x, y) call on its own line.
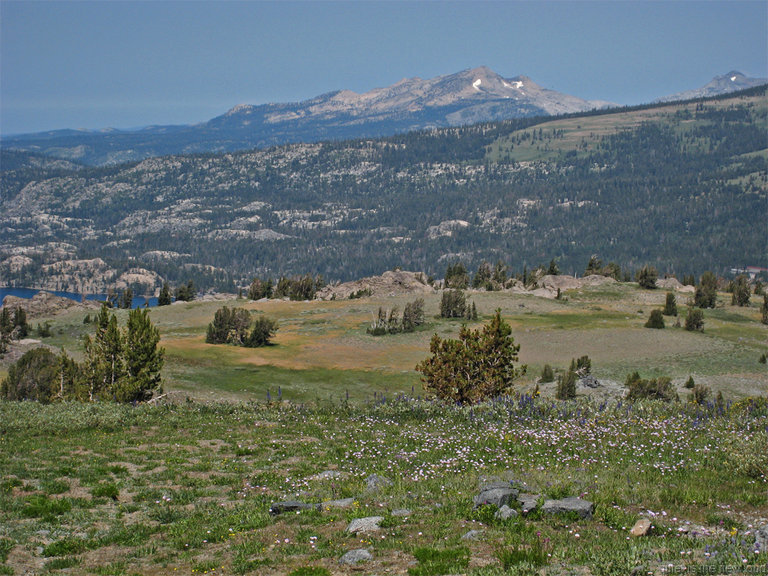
point(125, 64)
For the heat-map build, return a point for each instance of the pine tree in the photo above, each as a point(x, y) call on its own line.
point(143, 359)
point(670, 305)
point(706, 292)
point(764, 310)
point(477, 366)
point(566, 386)
point(740, 296)
point(655, 320)
point(164, 299)
point(694, 321)
point(263, 331)
point(647, 277)
point(104, 357)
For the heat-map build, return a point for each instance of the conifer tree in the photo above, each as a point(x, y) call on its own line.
point(143, 359)
point(670, 305)
point(164, 299)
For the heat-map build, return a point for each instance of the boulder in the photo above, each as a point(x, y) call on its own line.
point(356, 556)
point(365, 525)
point(582, 508)
point(641, 528)
point(343, 503)
point(291, 506)
point(505, 513)
point(761, 539)
point(496, 494)
point(375, 482)
point(473, 535)
point(589, 381)
point(528, 502)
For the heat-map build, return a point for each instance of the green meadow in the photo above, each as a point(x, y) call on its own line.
point(184, 485)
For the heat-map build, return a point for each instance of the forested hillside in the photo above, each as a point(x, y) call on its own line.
point(682, 187)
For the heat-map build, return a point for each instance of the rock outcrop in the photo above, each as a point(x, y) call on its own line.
point(45, 304)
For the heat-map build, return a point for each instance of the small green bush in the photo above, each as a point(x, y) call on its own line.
point(66, 547)
point(566, 386)
point(699, 394)
point(694, 321)
point(40, 506)
point(655, 320)
point(107, 490)
point(656, 389)
point(547, 374)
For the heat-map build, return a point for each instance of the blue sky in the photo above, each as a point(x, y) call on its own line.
point(125, 64)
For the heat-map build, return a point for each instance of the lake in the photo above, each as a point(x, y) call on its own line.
point(138, 302)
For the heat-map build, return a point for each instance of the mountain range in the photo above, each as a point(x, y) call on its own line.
point(680, 186)
point(467, 97)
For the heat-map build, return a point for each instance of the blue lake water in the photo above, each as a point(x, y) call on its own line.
point(138, 302)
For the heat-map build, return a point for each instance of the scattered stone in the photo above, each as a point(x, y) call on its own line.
point(401, 512)
point(641, 528)
point(496, 494)
point(365, 525)
point(694, 531)
point(589, 381)
point(291, 506)
point(473, 535)
point(505, 513)
point(583, 508)
point(376, 482)
point(343, 503)
point(356, 556)
point(528, 502)
point(761, 538)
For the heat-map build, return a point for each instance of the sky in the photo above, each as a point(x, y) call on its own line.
point(126, 64)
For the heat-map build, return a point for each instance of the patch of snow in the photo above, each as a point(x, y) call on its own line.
point(476, 84)
point(517, 84)
point(733, 78)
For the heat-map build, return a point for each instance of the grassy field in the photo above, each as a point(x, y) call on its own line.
point(321, 350)
point(185, 487)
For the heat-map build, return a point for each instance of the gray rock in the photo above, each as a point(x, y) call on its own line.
point(343, 503)
point(473, 535)
point(528, 502)
point(583, 508)
point(401, 512)
point(505, 513)
point(761, 538)
point(496, 494)
point(291, 506)
point(589, 381)
point(376, 482)
point(356, 556)
point(365, 525)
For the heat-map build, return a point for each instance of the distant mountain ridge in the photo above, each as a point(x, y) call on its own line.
point(467, 97)
point(719, 85)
